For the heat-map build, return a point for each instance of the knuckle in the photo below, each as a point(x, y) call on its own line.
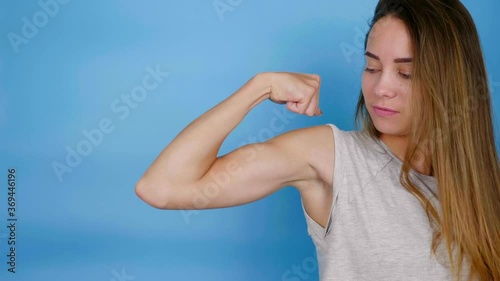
point(316, 77)
point(310, 90)
point(302, 110)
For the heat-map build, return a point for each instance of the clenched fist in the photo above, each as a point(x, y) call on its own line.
point(299, 91)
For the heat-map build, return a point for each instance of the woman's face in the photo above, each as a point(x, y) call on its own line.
point(386, 80)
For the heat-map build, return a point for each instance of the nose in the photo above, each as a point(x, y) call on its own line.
point(385, 86)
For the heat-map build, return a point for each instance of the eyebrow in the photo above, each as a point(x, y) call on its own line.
point(398, 60)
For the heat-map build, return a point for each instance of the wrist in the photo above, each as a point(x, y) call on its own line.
point(262, 83)
point(258, 88)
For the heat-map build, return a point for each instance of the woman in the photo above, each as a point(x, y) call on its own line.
point(414, 195)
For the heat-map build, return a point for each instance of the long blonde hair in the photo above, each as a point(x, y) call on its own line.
point(454, 130)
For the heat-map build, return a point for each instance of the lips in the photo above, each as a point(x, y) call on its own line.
point(389, 110)
point(384, 111)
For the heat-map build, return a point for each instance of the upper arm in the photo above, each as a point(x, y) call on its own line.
point(256, 170)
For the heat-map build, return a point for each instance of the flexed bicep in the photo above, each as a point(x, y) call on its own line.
point(245, 175)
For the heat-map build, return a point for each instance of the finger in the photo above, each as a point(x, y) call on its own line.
point(292, 106)
point(317, 95)
point(303, 105)
point(278, 102)
point(312, 107)
point(319, 112)
point(316, 77)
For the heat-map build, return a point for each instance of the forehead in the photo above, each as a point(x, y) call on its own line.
point(389, 38)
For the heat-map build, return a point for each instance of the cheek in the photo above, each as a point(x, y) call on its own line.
point(367, 84)
point(405, 96)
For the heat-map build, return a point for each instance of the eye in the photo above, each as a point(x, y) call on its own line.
point(404, 75)
point(370, 70)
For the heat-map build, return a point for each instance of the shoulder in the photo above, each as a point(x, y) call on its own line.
point(314, 145)
point(322, 145)
point(331, 152)
point(331, 148)
point(310, 140)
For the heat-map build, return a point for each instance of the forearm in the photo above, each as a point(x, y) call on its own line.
point(193, 151)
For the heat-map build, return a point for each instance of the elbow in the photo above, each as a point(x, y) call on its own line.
point(153, 195)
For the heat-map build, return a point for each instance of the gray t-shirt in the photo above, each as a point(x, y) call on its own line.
point(377, 230)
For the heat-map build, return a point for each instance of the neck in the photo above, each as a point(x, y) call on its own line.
point(398, 146)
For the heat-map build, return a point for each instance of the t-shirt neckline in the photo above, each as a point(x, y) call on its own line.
point(388, 150)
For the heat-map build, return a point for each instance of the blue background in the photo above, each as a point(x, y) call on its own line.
point(89, 224)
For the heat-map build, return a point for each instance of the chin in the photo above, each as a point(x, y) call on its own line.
point(389, 128)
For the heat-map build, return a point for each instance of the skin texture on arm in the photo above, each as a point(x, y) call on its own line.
point(192, 152)
point(188, 175)
point(254, 171)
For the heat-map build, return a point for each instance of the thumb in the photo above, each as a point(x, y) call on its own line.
point(319, 112)
point(292, 106)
